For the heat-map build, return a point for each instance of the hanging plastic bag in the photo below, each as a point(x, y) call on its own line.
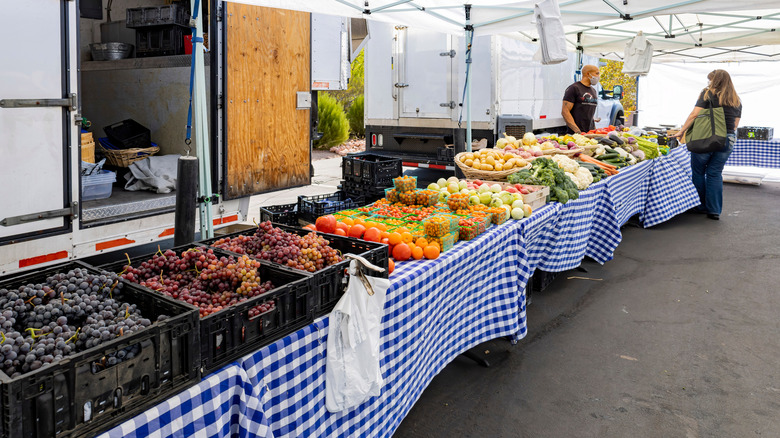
point(352, 373)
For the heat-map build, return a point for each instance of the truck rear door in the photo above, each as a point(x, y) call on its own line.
point(38, 101)
point(266, 93)
point(424, 73)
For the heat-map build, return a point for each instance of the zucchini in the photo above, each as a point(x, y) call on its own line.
point(609, 156)
point(606, 141)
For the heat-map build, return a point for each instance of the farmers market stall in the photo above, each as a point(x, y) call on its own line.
point(435, 310)
point(758, 153)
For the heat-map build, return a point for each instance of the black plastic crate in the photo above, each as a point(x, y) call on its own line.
point(312, 207)
point(284, 214)
point(157, 16)
point(755, 133)
point(542, 279)
point(329, 283)
point(374, 170)
point(160, 41)
point(360, 190)
point(231, 333)
point(128, 134)
point(445, 154)
point(77, 397)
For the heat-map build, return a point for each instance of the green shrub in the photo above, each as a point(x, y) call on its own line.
point(355, 117)
point(332, 122)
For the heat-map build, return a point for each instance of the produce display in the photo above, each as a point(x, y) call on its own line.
point(198, 277)
point(307, 253)
point(67, 313)
point(545, 171)
point(495, 159)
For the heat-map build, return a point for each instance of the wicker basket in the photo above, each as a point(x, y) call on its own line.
point(569, 152)
point(490, 175)
point(88, 151)
point(125, 157)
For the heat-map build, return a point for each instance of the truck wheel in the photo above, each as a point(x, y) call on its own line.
point(619, 119)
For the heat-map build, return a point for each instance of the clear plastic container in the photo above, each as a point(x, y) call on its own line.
point(97, 186)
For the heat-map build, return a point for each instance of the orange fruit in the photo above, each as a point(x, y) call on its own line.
point(381, 226)
point(359, 221)
point(435, 243)
point(431, 252)
point(407, 237)
point(340, 232)
point(402, 252)
point(401, 230)
point(343, 226)
point(385, 235)
point(417, 253)
point(421, 242)
point(349, 221)
point(394, 238)
point(357, 230)
point(390, 266)
point(372, 234)
point(311, 227)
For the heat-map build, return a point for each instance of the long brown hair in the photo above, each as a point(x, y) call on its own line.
point(721, 86)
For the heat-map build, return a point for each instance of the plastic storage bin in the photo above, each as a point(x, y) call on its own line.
point(97, 186)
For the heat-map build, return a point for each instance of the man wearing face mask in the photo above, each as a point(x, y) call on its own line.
point(580, 101)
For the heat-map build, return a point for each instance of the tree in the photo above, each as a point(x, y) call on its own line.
point(611, 75)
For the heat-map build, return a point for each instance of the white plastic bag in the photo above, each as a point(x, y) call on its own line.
point(552, 38)
point(352, 373)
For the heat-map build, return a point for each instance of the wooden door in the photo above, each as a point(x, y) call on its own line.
point(267, 62)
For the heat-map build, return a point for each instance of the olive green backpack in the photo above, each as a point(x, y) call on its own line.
point(708, 132)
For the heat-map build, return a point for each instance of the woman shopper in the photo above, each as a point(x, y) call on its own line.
point(707, 168)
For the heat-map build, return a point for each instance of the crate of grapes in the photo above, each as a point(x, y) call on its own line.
point(83, 351)
point(316, 254)
point(242, 303)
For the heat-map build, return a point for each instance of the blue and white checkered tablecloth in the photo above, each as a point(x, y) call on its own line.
point(435, 311)
point(756, 153)
point(670, 190)
point(225, 404)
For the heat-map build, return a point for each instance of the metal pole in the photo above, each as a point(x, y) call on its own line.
point(186, 197)
point(469, 40)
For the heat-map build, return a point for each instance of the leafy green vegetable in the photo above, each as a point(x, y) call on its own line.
point(545, 172)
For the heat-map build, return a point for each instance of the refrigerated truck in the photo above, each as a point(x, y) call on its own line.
point(414, 81)
point(261, 68)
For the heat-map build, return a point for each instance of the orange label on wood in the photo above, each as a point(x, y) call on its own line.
point(43, 259)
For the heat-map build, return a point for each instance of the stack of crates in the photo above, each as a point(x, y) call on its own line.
point(160, 30)
point(367, 175)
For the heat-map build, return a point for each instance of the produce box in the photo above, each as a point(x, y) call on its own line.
point(437, 226)
point(102, 383)
point(426, 198)
point(408, 197)
point(405, 183)
point(445, 242)
point(535, 198)
point(374, 170)
point(312, 207)
point(328, 284)
point(499, 215)
point(283, 214)
point(391, 195)
point(235, 330)
point(755, 133)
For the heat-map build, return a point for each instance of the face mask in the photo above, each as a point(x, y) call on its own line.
point(594, 80)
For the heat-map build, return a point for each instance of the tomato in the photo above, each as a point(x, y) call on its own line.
point(326, 224)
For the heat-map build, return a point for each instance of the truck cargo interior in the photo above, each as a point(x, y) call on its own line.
point(150, 86)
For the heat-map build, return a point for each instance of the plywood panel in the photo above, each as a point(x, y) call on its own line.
point(267, 62)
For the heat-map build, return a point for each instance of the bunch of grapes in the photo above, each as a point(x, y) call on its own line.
point(309, 253)
point(200, 278)
point(65, 314)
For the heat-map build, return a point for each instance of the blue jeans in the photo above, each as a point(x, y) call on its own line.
point(707, 176)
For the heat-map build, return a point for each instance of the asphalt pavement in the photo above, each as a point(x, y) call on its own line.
point(678, 336)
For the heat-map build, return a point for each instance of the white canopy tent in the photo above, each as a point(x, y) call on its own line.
point(680, 30)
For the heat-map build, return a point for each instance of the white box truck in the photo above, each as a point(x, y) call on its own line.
point(414, 82)
point(261, 65)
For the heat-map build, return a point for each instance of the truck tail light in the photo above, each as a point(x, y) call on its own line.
point(373, 139)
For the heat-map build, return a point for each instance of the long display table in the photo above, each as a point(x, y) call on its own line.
point(435, 310)
point(759, 153)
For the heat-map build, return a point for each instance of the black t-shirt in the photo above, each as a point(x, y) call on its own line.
point(731, 112)
point(585, 100)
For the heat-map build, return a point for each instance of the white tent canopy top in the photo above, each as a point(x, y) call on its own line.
point(680, 30)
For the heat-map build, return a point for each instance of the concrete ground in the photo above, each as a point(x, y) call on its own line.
point(675, 337)
point(678, 336)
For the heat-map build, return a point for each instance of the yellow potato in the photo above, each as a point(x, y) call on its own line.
point(500, 166)
point(508, 156)
point(510, 163)
point(487, 167)
point(490, 160)
point(469, 156)
point(469, 162)
point(463, 158)
point(477, 164)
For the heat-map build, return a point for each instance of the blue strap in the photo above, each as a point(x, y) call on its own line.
point(195, 41)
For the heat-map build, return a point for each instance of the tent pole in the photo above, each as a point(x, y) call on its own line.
point(469, 40)
point(578, 72)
